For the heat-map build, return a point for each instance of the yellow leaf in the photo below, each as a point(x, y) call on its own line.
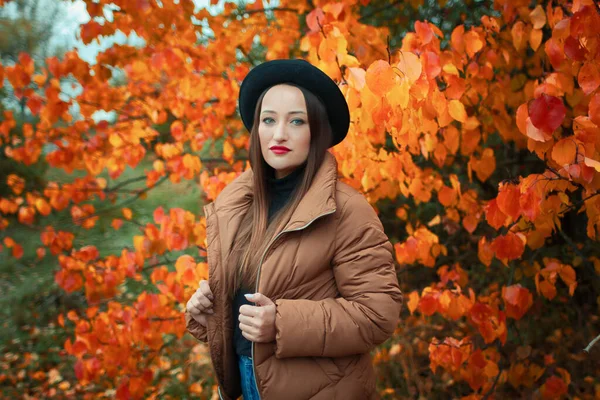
point(115, 140)
point(457, 110)
point(410, 66)
point(592, 163)
point(538, 17)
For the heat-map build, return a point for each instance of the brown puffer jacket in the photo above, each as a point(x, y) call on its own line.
point(331, 275)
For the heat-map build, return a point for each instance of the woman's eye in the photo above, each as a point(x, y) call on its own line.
point(297, 121)
point(268, 120)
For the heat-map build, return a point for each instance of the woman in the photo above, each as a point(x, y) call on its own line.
point(302, 283)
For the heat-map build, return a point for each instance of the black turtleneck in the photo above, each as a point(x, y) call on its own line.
point(280, 192)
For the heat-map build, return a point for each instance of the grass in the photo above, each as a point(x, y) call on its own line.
point(31, 300)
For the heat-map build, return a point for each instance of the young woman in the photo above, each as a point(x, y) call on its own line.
point(302, 283)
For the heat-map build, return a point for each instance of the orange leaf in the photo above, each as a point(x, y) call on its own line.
point(42, 206)
point(518, 35)
point(380, 77)
point(117, 223)
point(554, 388)
point(538, 17)
point(522, 116)
point(517, 299)
point(428, 305)
point(410, 66)
point(494, 216)
point(508, 200)
point(473, 42)
point(509, 246)
point(594, 109)
point(535, 38)
point(564, 151)
point(470, 223)
point(567, 274)
point(314, 19)
point(127, 213)
point(589, 77)
point(530, 202)
point(413, 301)
point(485, 252)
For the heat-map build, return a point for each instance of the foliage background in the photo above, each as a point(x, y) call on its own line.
point(475, 135)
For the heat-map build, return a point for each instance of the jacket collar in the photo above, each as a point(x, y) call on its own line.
point(318, 200)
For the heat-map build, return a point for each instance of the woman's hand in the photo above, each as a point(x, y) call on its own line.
point(258, 322)
point(200, 303)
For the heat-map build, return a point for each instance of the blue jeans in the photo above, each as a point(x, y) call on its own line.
point(249, 390)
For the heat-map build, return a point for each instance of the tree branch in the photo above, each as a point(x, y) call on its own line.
point(592, 343)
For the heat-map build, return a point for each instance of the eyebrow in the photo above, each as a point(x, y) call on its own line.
point(291, 112)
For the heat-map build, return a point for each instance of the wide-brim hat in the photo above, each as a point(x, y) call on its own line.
point(303, 74)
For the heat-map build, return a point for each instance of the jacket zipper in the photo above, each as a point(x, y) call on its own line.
point(258, 276)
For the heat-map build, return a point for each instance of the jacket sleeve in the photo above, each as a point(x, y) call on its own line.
point(195, 328)
point(368, 310)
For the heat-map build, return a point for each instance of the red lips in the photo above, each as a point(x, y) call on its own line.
point(279, 149)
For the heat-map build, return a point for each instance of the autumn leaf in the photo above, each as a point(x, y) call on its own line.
point(409, 66)
point(547, 113)
point(494, 216)
point(574, 50)
point(564, 151)
point(594, 109)
point(315, 19)
point(553, 388)
point(380, 78)
point(589, 77)
point(457, 110)
point(413, 301)
point(508, 200)
point(538, 17)
point(509, 247)
point(518, 301)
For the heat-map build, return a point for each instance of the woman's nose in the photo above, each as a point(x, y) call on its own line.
point(280, 132)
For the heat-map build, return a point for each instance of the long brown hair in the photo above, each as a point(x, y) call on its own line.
point(255, 232)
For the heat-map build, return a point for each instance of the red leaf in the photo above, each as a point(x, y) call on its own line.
point(547, 112)
point(509, 246)
point(494, 216)
point(508, 201)
point(314, 20)
point(574, 50)
point(428, 305)
point(517, 299)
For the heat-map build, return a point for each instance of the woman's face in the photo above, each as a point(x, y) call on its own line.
point(283, 129)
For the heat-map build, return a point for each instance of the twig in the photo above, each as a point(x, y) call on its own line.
point(592, 343)
point(487, 395)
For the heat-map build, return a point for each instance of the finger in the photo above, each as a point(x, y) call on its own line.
point(249, 337)
point(249, 311)
point(196, 303)
point(205, 301)
point(248, 321)
point(202, 304)
point(205, 289)
point(250, 330)
point(259, 299)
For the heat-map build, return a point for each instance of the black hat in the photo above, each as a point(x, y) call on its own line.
point(303, 74)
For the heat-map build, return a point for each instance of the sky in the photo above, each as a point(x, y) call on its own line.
point(76, 15)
